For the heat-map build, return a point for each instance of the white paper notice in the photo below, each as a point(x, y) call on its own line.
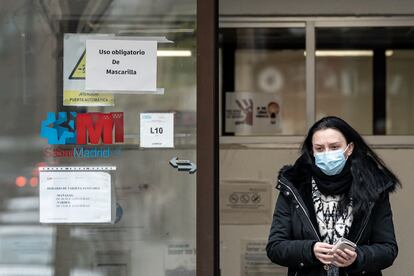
point(255, 261)
point(121, 65)
point(180, 259)
point(245, 202)
point(157, 130)
point(75, 197)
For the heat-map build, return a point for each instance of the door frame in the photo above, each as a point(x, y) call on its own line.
point(207, 212)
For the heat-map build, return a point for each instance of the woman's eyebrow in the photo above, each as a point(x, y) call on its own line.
point(329, 144)
point(319, 145)
point(334, 143)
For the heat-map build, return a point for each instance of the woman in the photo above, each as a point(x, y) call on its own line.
point(337, 188)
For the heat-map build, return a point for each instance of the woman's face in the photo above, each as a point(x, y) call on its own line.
point(330, 139)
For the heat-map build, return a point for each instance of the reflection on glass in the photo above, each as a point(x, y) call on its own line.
point(279, 73)
point(269, 64)
point(400, 97)
point(26, 248)
point(344, 76)
point(344, 88)
point(155, 204)
point(363, 74)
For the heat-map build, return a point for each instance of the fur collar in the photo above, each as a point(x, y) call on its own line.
point(298, 174)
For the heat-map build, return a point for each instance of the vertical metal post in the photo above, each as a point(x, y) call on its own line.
point(310, 73)
point(228, 52)
point(379, 96)
point(207, 140)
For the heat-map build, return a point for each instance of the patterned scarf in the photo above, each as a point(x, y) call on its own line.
point(332, 223)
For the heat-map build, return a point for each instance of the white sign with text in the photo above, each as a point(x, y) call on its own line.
point(157, 130)
point(121, 65)
point(75, 196)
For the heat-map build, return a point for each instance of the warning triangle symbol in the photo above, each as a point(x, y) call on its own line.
point(78, 73)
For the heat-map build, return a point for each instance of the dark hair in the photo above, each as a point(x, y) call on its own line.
point(369, 173)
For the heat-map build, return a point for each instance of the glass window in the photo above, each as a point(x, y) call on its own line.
point(400, 96)
point(263, 69)
point(363, 75)
point(344, 77)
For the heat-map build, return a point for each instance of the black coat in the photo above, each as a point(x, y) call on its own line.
point(294, 230)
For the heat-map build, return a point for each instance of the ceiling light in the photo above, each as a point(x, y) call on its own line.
point(343, 53)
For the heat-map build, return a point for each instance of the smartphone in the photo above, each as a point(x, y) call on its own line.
point(343, 243)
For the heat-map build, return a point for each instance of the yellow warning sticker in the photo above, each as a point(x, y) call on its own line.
point(78, 98)
point(78, 73)
point(74, 73)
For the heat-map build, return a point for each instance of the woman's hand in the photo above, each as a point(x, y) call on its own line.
point(321, 251)
point(344, 258)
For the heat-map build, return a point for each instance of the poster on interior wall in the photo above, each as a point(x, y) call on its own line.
point(251, 113)
point(245, 202)
point(74, 71)
point(122, 66)
point(254, 260)
point(180, 259)
point(75, 195)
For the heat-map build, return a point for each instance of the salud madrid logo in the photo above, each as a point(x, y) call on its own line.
point(93, 128)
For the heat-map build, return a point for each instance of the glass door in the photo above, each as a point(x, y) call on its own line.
point(98, 144)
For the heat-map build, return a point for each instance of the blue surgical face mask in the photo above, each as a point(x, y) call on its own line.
point(331, 162)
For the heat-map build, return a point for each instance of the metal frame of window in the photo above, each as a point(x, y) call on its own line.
point(311, 24)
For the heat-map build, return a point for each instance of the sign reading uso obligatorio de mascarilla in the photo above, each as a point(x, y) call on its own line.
point(121, 65)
